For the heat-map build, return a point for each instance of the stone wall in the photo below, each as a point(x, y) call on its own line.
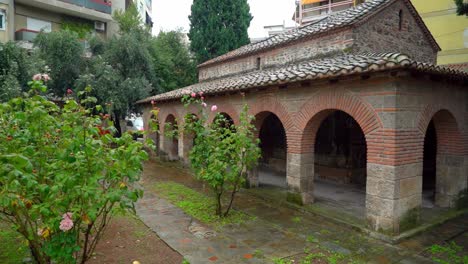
point(304, 50)
point(393, 112)
point(382, 34)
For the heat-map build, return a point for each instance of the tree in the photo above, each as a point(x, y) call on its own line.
point(123, 74)
point(222, 153)
point(462, 7)
point(128, 20)
point(174, 65)
point(218, 26)
point(16, 67)
point(63, 52)
point(62, 173)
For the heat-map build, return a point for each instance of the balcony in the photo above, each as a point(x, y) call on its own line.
point(25, 35)
point(320, 9)
point(96, 10)
point(104, 6)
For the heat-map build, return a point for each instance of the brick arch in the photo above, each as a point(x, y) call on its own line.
point(450, 139)
point(274, 106)
point(314, 111)
point(227, 108)
point(164, 113)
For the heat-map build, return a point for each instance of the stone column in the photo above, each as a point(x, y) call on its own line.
point(185, 145)
point(252, 178)
point(451, 178)
point(300, 177)
point(393, 196)
point(163, 147)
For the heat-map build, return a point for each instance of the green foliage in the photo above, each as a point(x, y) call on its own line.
point(462, 7)
point(217, 27)
point(196, 204)
point(59, 165)
point(14, 248)
point(222, 153)
point(83, 29)
point(128, 20)
point(449, 254)
point(174, 64)
point(63, 53)
point(15, 70)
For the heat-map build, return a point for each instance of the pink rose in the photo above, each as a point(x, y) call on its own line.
point(203, 98)
point(214, 108)
point(37, 77)
point(66, 223)
point(203, 104)
point(45, 77)
point(69, 91)
point(194, 95)
point(200, 93)
point(152, 102)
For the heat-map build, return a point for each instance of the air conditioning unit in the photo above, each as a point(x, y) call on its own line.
point(99, 26)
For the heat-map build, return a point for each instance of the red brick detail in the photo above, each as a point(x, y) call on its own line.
point(315, 110)
point(394, 147)
point(269, 103)
point(450, 139)
point(226, 108)
point(164, 113)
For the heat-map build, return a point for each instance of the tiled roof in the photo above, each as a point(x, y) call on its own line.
point(334, 21)
point(312, 70)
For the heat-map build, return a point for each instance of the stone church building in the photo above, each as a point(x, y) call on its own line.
point(353, 101)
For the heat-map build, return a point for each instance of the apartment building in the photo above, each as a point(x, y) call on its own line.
point(144, 8)
point(450, 31)
point(308, 11)
point(22, 20)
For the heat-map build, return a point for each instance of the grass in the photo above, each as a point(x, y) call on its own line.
point(450, 253)
point(13, 247)
point(197, 204)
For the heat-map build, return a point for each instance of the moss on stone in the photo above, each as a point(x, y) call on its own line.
point(294, 197)
point(462, 200)
point(410, 219)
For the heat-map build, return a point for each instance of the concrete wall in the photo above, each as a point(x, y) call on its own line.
point(382, 34)
point(393, 113)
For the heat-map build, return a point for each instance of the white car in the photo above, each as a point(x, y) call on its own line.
point(135, 125)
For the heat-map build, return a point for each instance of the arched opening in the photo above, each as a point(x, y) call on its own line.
point(272, 165)
point(153, 127)
point(400, 20)
point(444, 173)
point(171, 137)
point(429, 166)
point(225, 119)
point(189, 137)
point(340, 161)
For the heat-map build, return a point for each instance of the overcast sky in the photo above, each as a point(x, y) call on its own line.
point(172, 14)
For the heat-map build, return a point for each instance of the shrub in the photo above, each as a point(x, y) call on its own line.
point(222, 153)
point(61, 175)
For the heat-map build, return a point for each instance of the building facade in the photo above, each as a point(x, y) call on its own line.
point(22, 20)
point(309, 11)
point(450, 30)
point(353, 100)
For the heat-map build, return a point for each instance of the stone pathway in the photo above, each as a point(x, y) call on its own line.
point(276, 232)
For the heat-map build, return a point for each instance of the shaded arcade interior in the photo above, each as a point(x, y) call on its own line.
point(339, 164)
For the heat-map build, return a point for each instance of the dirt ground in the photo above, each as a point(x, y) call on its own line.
point(127, 239)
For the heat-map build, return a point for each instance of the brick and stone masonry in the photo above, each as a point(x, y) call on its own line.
point(393, 107)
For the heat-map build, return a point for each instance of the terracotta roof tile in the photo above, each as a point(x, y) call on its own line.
point(311, 70)
point(334, 21)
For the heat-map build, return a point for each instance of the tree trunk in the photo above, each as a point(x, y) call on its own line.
point(218, 205)
point(117, 123)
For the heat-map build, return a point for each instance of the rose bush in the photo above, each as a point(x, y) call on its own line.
point(60, 176)
point(223, 153)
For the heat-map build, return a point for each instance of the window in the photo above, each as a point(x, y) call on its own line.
point(38, 25)
point(2, 19)
point(259, 63)
point(400, 19)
